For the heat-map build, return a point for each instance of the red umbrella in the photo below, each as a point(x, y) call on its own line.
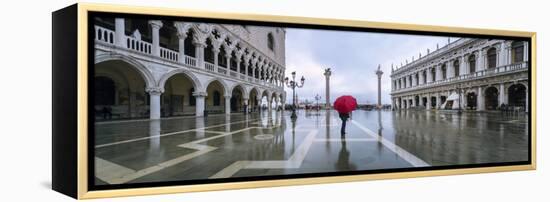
point(345, 104)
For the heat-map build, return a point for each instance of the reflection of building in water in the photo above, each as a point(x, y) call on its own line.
point(489, 72)
point(158, 68)
point(450, 139)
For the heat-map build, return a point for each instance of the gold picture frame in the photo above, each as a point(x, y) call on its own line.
point(78, 187)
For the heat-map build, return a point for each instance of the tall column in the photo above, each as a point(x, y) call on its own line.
point(269, 102)
point(119, 32)
point(463, 70)
point(480, 99)
point(155, 27)
point(450, 69)
point(181, 47)
point(501, 94)
point(228, 58)
point(246, 68)
point(502, 54)
point(199, 53)
point(245, 103)
point(216, 51)
point(327, 87)
point(227, 104)
point(154, 102)
point(238, 61)
point(438, 101)
point(379, 75)
point(199, 103)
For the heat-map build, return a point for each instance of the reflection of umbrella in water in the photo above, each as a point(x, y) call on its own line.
point(345, 104)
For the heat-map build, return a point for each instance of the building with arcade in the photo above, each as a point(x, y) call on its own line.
point(156, 68)
point(471, 74)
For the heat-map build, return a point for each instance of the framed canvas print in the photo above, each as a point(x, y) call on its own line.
point(155, 100)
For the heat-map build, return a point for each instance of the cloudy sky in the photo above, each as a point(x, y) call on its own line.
point(353, 58)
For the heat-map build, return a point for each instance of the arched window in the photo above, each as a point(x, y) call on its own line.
point(222, 61)
point(209, 52)
point(433, 74)
point(517, 51)
point(188, 44)
point(217, 97)
point(457, 68)
point(472, 63)
point(444, 72)
point(191, 97)
point(270, 42)
point(104, 91)
point(416, 78)
point(492, 58)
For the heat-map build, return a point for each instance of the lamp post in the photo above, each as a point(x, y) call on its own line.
point(293, 84)
point(317, 98)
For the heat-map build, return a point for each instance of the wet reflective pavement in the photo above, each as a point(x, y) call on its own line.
point(257, 145)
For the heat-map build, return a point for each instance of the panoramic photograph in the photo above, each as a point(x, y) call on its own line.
point(178, 101)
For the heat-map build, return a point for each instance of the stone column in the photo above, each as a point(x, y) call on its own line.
point(238, 61)
point(451, 69)
point(216, 51)
point(154, 103)
point(501, 95)
point(463, 70)
point(502, 54)
point(327, 74)
point(181, 47)
point(199, 103)
point(199, 53)
point(228, 58)
point(227, 104)
point(155, 27)
point(438, 101)
point(245, 103)
point(246, 68)
point(480, 99)
point(119, 32)
point(379, 76)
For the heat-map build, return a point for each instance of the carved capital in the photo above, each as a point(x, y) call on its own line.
point(156, 24)
point(154, 90)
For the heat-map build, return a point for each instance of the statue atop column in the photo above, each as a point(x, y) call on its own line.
point(327, 88)
point(379, 74)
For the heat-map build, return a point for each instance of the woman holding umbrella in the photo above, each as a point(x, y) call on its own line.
point(344, 105)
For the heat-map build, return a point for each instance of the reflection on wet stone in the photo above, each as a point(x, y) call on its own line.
point(258, 144)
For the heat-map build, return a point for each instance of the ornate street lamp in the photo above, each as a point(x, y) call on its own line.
point(317, 98)
point(293, 84)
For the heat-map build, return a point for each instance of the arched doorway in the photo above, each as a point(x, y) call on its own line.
point(237, 99)
point(215, 101)
point(471, 101)
point(178, 98)
point(491, 98)
point(433, 102)
point(416, 101)
point(119, 91)
point(253, 101)
point(424, 102)
point(517, 95)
